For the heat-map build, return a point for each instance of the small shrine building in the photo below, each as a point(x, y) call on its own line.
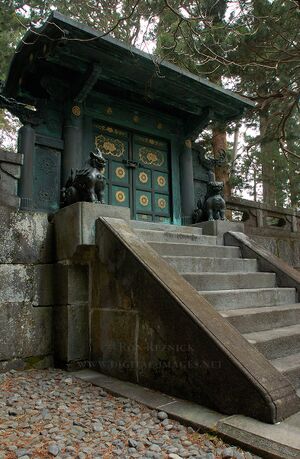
point(86, 90)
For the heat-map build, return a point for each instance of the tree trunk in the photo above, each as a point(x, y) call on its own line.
point(267, 152)
point(219, 144)
point(235, 142)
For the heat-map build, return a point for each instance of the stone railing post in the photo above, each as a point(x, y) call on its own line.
point(260, 218)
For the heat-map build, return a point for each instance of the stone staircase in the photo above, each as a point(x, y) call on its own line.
point(266, 315)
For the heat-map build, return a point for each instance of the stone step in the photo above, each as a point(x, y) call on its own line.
point(205, 250)
point(244, 298)
point(278, 342)
point(175, 236)
point(211, 264)
point(263, 318)
point(138, 225)
point(230, 281)
point(289, 366)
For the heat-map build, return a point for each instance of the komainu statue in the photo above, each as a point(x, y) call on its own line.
point(89, 182)
point(213, 207)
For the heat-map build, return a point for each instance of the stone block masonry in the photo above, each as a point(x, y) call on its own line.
point(27, 293)
point(44, 285)
point(25, 237)
point(75, 252)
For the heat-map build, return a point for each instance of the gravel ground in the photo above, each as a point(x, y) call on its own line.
point(48, 413)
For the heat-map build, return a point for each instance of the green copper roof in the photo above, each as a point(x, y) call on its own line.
point(70, 52)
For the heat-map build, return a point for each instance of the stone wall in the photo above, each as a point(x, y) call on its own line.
point(42, 279)
point(26, 289)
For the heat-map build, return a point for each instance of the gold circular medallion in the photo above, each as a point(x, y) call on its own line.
point(120, 172)
point(120, 196)
point(161, 180)
point(109, 146)
point(109, 111)
point(76, 110)
point(144, 201)
point(143, 177)
point(136, 119)
point(152, 157)
point(161, 203)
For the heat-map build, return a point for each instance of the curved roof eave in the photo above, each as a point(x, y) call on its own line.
point(59, 27)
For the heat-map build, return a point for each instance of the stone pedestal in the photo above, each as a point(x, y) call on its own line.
point(75, 225)
point(75, 249)
point(219, 228)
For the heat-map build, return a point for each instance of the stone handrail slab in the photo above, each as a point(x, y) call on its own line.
point(144, 312)
point(286, 275)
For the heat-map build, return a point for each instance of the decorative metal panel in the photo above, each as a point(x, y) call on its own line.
point(111, 147)
point(46, 178)
point(143, 178)
point(152, 177)
point(137, 172)
point(160, 144)
point(114, 144)
point(151, 157)
point(120, 173)
point(161, 203)
point(143, 201)
point(160, 182)
point(119, 196)
point(144, 217)
point(111, 130)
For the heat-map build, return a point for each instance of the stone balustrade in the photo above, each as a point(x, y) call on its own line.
point(260, 215)
point(275, 228)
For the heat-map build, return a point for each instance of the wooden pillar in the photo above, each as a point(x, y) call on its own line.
point(187, 183)
point(72, 132)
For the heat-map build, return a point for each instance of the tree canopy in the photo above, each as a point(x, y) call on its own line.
point(249, 46)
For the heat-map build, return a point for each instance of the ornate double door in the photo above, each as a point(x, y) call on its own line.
point(137, 172)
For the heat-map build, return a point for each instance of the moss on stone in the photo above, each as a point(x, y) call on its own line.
point(33, 361)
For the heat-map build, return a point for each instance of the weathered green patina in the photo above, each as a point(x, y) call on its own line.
point(89, 89)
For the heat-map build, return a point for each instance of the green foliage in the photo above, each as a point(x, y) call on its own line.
point(254, 49)
point(10, 32)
